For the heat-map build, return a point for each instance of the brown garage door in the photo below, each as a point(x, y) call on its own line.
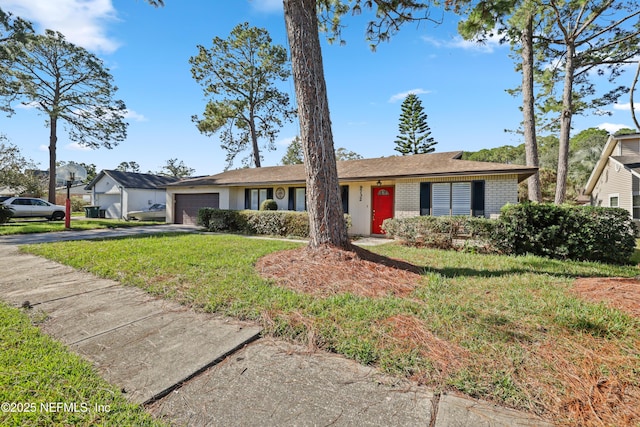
point(187, 206)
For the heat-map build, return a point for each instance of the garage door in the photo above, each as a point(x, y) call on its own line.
point(187, 206)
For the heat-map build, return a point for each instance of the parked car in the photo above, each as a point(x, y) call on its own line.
point(30, 207)
point(156, 212)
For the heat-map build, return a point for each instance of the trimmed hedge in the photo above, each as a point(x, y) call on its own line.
point(274, 223)
point(441, 232)
point(584, 233)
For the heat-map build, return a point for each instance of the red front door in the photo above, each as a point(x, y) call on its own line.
point(382, 208)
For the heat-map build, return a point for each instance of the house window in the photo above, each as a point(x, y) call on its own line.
point(636, 206)
point(253, 197)
point(297, 199)
point(452, 198)
point(344, 195)
point(614, 201)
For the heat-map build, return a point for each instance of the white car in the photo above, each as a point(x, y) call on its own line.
point(30, 207)
point(156, 212)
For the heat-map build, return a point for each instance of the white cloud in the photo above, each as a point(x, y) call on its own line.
point(627, 106)
point(74, 146)
point(83, 22)
point(457, 42)
point(136, 117)
point(402, 95)
point(267, 5)
point(43, 147)
point(613, 127)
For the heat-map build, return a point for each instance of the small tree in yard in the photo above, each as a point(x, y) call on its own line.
point(415, 135)
point(69, 84)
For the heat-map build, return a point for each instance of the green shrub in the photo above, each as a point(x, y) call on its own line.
point(221, 220)
point(269, 205)
point(5, 214)
point(585, 233)
point(274, 223)
point(78, 204)
point(434, 232)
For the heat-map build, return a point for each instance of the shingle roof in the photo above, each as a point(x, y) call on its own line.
point(135, 180)
point(417, 165)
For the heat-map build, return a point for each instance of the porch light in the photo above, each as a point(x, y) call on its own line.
point(378, 183)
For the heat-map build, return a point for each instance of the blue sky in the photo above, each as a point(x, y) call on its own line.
point(461, 84)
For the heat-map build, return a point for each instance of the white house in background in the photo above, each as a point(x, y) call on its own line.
point(615, 180)
point(117, 193)
point(372, 189)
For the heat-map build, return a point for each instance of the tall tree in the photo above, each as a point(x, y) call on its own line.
point(324, 204)
point(240, 74)
point(415, 135)
point(176, 169)
point(69, 84)
point(515, 21)
point(598, 36)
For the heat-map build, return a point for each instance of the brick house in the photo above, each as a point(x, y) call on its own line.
point(372, 189)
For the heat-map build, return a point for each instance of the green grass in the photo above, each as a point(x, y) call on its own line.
point(37, 374)
point(493, 327)
point(31, 226)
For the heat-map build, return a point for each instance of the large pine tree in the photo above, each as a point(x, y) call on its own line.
point(415, 135)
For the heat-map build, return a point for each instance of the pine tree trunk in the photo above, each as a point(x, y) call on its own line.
point(565, 126)
point(326, 221)
point(53, 140)
point(528, 110)
point(254, 141)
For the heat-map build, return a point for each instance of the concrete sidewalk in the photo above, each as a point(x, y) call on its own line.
point(198, 369)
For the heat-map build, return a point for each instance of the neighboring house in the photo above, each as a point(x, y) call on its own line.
point(117, 193)
point(372, 189)
point(615, 180)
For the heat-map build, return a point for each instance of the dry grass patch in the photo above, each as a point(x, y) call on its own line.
point(621, 293)
point(578, 383)
point(408, 333)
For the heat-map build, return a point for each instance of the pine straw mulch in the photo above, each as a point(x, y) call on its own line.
point(621, 293)
point(329, 270)
point(564, 375)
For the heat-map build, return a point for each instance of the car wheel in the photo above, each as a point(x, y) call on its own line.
point(57, 216)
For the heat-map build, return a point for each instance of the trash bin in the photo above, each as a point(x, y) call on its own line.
point(91, 211)
point(102, 213)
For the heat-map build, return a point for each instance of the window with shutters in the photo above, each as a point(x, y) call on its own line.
point(254, 196)
point(452, 198)
point(297, 199)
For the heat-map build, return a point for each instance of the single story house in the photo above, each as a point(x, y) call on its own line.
point(615, 180)
point(372, 189)
point(117, 192)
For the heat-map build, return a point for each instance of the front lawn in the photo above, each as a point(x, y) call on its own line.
point(43, 384)
point(506, 329)
point(44, 226)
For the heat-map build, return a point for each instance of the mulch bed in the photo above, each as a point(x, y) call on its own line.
point(328, 271)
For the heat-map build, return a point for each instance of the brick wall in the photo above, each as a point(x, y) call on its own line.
point(499, 190)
